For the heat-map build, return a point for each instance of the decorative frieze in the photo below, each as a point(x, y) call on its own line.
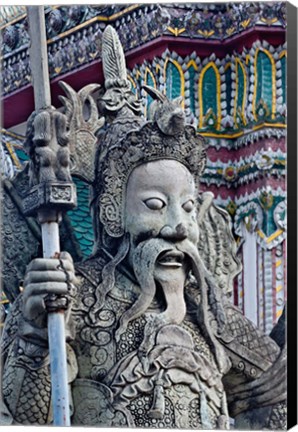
point(243, 170)
point(221, 96)
point(247, 137)
point(137, 24)
point(263, 211)
point(74, 39)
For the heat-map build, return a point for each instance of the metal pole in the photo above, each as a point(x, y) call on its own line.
point(50, 227)
point(56, 337)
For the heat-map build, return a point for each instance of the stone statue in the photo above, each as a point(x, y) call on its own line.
point(153, 339)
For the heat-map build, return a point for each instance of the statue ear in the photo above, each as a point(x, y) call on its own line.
point(152, 109)
point(178, 101)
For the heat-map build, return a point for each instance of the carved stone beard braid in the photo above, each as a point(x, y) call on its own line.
point(108, 278)
point(210, 307)
point(144, 260)
point(144, 265)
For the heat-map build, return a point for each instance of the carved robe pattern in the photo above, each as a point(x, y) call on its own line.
point(182, 388)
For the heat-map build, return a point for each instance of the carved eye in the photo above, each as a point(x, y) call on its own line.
point(188, 206)
point(154, 203)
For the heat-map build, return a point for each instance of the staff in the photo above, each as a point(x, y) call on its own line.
point(48, 199)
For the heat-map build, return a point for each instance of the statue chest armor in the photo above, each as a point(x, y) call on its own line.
point(181, 388)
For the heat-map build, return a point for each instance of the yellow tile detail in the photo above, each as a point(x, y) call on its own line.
point(12, 154)
point(274, 235)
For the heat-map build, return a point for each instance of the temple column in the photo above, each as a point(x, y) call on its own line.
point(250, 275)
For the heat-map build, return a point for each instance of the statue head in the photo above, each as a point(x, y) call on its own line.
point(146, 154)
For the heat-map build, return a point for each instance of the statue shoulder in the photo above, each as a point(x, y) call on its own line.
point(251, 350)
point(91, 269)
point(256, 384)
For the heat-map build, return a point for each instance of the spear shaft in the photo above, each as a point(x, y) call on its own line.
point(49, 224)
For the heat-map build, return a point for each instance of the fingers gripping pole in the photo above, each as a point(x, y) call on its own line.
point(56, 337)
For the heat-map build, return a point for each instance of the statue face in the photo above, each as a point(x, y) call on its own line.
point(160, 202)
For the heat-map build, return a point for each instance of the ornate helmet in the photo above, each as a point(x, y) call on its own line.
point(146, 144)
point(130, 141)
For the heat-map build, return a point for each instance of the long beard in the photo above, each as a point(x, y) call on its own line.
point(144, 262)
point(148, 273)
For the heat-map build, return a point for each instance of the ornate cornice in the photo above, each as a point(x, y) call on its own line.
point(74, 32)
point(234, 173)
point(234, 141)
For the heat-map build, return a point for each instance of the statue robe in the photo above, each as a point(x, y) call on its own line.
point(182, 387)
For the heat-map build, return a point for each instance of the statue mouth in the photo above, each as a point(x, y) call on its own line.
point(172, 258)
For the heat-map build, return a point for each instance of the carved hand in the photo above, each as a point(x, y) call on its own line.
point(48, 287)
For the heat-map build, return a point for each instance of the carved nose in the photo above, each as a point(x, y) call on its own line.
point(178, 233)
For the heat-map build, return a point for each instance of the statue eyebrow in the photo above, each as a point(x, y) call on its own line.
point(153, 192)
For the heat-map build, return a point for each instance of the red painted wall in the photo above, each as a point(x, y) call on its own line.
point(18, 105)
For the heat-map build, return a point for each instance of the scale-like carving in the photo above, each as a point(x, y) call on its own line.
point(20, 241)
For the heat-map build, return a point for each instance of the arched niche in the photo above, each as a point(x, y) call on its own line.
point(209, 97)
point(264, 98)
point(283, 61)
point(174, 79)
